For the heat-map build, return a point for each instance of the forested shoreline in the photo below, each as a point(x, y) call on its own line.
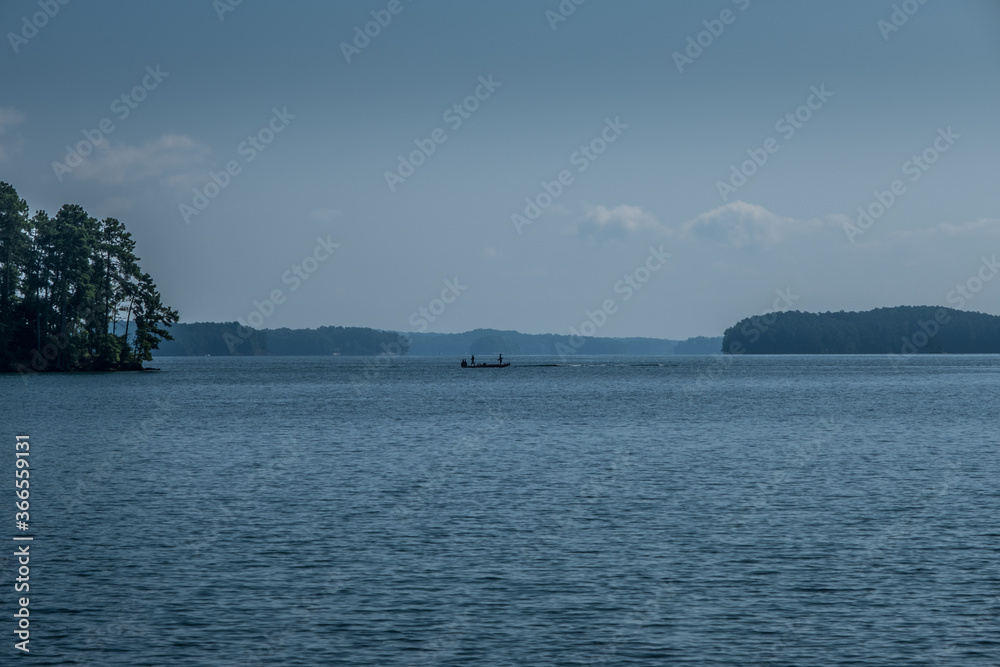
point(898, 330)
point(72, 294)
point(233, 339)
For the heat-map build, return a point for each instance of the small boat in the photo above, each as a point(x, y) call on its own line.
point(466, 364)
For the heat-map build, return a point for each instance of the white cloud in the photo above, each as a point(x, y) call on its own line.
point(8, 118)
point(177, 160)
point(620, 221)
point(741, 224)
point(737, 223)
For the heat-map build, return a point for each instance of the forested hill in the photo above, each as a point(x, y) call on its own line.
point(231, 339)
point(899, 330)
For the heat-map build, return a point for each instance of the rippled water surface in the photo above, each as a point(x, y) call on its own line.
point(672, 510)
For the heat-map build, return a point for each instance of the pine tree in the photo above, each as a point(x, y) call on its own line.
point(14, 246)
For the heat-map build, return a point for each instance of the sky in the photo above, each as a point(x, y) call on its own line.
point(656, 169)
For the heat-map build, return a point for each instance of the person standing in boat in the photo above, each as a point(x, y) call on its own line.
point(473, 360)
point(501, 358)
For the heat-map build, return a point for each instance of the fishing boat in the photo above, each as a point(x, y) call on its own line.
point(499, 364)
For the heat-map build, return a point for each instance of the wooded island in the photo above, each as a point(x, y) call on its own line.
point(899, 330)
point(72, 294)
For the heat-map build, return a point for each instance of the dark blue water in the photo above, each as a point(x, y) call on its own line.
point(689, 511)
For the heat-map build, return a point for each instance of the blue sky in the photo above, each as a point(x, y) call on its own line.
point(888, 95)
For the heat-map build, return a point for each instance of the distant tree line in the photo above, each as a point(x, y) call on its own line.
point(233, 339)
point(228, 339)
point(700, 345)
point(898, 330)
point(72, 294)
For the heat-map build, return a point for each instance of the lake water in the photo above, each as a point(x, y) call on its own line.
point(671, 510)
